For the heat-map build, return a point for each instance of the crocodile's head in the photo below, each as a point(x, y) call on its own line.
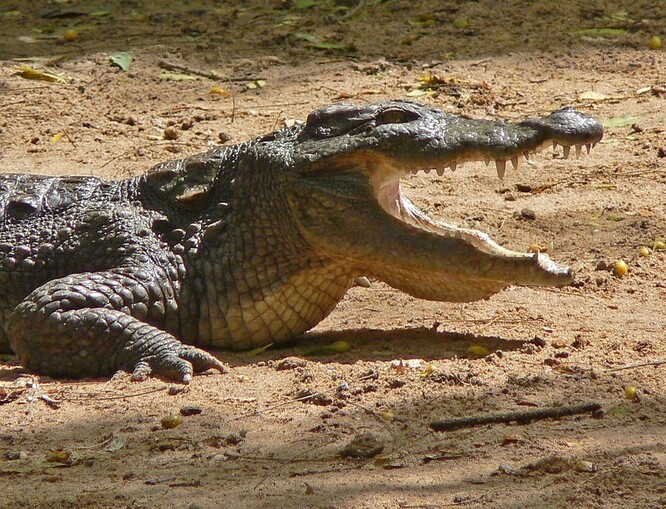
point(345, 165)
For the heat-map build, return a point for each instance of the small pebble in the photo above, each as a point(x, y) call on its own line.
point(290, 363)
point(528, 214)
point(186, 411)
point(585, 466)
point(366, 445)
point(170, 133)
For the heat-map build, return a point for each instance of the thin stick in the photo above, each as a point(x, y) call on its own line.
point(521, 417)
point(108, 398)
point(173, 66)
point(637, 365)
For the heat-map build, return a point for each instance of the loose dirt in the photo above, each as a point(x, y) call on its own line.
point(253, 437)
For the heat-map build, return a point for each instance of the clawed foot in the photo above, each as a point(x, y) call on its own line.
point(176, 362)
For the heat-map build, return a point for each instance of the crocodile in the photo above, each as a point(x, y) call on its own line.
point(253, 243)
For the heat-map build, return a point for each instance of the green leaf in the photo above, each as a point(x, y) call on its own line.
point(121, 59)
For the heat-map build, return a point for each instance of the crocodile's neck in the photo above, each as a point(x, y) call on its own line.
point(249, 278)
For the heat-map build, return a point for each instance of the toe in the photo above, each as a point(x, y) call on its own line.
point(201, 361)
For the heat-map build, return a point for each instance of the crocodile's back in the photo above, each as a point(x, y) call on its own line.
point(50, 227)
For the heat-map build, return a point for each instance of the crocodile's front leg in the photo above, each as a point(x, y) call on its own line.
point(92, 324)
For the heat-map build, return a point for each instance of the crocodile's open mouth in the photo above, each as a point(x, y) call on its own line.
point(386, 176)
point(368, 223)
point(541, 270)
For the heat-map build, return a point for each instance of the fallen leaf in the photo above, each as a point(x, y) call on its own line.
point(121, 59)
point(621, 121)
point(30, 73)
point(253, 85)
point(177, 77)
point(219, 91)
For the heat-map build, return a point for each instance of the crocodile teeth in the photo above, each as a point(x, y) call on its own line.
point(515, 162)
point(579, 150)
point(567, 150)
point(487, 160)
point(588, 147)
point(440, 171)
point(554, 145)
point(526, 155)
point(453, 166)
point(501, 168)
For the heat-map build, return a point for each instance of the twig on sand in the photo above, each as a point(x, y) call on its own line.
point(522, 417)
point(637, 365)
point(173, 66)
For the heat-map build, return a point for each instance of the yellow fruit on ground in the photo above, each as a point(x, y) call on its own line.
point(655, 43)
point(620, 268)
point(630, 392)
point(70, 35)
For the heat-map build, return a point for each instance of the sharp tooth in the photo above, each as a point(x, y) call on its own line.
point(487, 160)
point(527, 156)
point(594, 144)
point(514, 162)
point(501, 168)
point(453, 166)
point(579, 149)
point(567, 150)
point(588, 147)
point(427, 170)
point(440, 171)
point(554, 145)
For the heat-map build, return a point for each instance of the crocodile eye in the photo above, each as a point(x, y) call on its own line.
point(395, 117)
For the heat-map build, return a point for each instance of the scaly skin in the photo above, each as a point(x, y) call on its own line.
point(251, 244)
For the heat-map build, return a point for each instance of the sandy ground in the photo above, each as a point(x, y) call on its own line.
point(255, 441)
